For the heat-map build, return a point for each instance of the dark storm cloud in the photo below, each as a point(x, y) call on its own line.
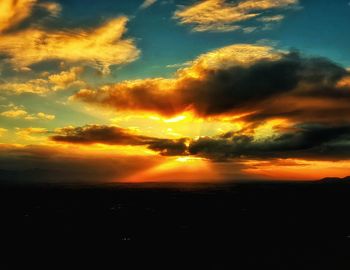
point(169, 147)
point(306, 141)
point(118, 136)
point(290, 85)
point(240, 88)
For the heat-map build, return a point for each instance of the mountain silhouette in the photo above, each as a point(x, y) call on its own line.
point(336, 180)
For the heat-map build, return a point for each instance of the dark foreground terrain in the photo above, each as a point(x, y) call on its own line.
point(229, 226)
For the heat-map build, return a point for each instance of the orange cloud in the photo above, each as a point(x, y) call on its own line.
point(100, 47)
point(345, 82)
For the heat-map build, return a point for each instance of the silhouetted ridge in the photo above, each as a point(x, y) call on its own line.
point(336, 180)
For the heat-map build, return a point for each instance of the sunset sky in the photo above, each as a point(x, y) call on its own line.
point(174, 90)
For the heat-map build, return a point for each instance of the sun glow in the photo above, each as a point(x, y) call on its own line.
point(178, 169)
point(184, 125)
point(270, 128)
point(175, 119)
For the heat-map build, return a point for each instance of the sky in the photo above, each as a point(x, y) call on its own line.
point(174, 90)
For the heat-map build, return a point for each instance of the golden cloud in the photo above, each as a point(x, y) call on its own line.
point(66, 78)
point(20, 112)
point(227, 57)
point(16, 113)
point(47, 83)
point(12, 12)
point(45, 116)
point(35, 86)
point(100, 47)
point(31, 133)
point(222, 16)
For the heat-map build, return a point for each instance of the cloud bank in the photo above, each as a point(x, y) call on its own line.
point(305, 141)
point(111, 135)
point(259, 86)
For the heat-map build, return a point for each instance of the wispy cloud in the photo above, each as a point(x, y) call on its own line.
point(147, 4)
point(224, 16)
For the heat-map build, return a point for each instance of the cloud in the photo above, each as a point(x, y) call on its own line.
point(301, 141)
point(46, 83)
point(168, 96)
point(15, 113)
point(101, 47)
point(53, 8)
point(147, 4)
point(66, 79)
point(45, 116)
point(306, 141)
point(223, 16)
point(20, 112)
point(34, 86)
point(275, 18)
point(241, 79)
point(111, 135)
point(291, 105)
point(31, 133)
point(14, 12)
